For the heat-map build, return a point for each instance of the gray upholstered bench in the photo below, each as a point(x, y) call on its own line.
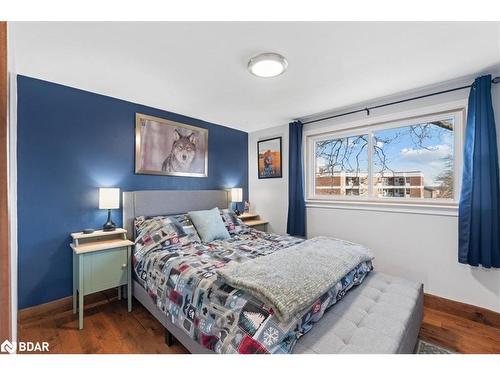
point(382, 315)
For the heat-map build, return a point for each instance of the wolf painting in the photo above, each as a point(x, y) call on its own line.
point(170, 148)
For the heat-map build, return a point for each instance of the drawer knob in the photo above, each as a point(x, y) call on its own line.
point(124, 265)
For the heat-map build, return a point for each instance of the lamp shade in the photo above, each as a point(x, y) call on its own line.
point(236, 195)
point(109, 198)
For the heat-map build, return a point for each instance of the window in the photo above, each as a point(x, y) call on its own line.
point(341, 166)
point(402, 160)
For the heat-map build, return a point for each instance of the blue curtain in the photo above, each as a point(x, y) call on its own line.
point(296, 224)
point(479, 212)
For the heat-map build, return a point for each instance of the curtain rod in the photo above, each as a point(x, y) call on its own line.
point(368, 109)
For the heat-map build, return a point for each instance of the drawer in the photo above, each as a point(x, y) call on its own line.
point(104, 269)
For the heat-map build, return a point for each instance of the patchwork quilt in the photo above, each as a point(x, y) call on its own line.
point(179, 273)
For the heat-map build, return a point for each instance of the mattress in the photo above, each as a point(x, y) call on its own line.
point(181, 279)
point(178, 277)
point(382, 315)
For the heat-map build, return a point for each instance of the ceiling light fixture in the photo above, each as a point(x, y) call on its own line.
point(267, 65)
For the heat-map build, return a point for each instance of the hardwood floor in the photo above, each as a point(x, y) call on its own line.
point(108, 328)
point(459, 334)
point(460, 327)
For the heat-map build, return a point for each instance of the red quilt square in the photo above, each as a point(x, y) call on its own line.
point(249, 346)
point(183, 267)
point(208, 341)
point(175, 297)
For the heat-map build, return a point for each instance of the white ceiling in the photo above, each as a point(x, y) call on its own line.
point(199, 69)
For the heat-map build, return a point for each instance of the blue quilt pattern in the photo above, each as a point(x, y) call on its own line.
point(179, 274)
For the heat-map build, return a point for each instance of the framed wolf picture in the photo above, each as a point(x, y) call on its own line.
point(167, 147)
point(269, 158)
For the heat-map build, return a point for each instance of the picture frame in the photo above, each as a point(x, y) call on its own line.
point(269, 158)
point(170, 148)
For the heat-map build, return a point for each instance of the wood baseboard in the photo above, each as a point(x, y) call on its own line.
point(464, 310)
point(64, 305)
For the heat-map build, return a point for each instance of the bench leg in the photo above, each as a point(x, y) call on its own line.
point(169, 338)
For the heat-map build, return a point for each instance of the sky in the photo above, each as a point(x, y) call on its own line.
point(404, 153)
point(409, 151)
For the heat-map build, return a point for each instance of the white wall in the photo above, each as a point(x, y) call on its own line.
point(415, 246)
point(269, 197)
point(420, 247)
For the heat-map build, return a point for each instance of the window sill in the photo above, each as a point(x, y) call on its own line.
point(427, 208)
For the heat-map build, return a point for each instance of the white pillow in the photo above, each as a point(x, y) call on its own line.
point(209, 225)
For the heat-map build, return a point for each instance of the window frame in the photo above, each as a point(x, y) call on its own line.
point(456, 110)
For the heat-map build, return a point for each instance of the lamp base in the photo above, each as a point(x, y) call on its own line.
point(109, 225)
point(235, 209)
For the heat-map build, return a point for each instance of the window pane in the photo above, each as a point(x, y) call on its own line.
point(414, 161)
point(341, 166)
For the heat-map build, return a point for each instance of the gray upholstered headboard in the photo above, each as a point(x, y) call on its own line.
point(168, 202)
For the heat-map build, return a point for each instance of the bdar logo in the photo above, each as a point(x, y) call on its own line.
point(24, 346)
point(8, 347)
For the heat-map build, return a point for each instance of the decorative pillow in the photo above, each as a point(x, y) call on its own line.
point(209, 225)
point(187, 227)
point(232, 222)
point(167, 231)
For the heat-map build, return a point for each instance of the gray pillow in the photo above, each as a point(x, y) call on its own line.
point(209, 225)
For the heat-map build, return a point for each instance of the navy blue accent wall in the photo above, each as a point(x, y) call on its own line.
point(70, 143)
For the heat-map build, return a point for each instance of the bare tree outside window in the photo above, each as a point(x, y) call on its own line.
point(445, 178)
point(413, 161)
point(342, 166)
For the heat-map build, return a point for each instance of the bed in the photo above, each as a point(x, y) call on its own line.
point(382, 315)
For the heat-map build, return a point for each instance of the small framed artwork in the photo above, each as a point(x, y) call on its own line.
point(165, 147)
point(269, 158)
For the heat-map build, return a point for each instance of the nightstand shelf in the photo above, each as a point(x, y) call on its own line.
point(118, 232)
point(247, 216)
point(101, 260)
point(253, 220)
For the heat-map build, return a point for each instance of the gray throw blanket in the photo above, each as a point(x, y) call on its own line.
point(291, 280)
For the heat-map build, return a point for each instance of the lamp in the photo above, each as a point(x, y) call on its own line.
point(236, 197)
point(109, 198)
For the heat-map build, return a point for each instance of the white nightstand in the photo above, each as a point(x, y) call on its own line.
point(101, 260)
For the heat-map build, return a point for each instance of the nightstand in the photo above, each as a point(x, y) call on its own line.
point(101, 260)
point(254, 221)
